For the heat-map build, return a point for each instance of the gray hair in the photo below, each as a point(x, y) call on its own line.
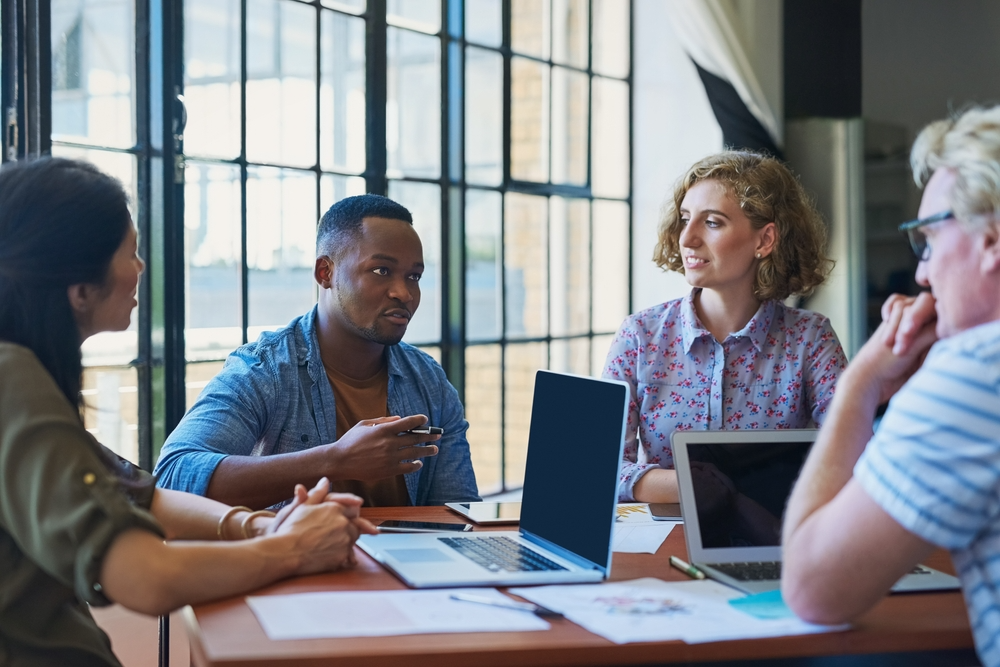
point(969, 145)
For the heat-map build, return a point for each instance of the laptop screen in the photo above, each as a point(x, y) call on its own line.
point(574, 455)
point(741, 490)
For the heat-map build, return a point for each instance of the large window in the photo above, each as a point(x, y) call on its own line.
point(94, 119)
point(503, 125)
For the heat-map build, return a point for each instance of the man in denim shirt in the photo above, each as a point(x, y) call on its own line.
point(334, 393)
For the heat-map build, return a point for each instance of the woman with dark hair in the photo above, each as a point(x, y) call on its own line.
point(729, 355)
point(78, 525)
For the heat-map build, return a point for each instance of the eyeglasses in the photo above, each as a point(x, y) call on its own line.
point(915, 233)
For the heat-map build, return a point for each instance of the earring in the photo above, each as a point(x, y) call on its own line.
point(758, 255)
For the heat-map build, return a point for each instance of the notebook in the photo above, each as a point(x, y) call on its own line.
point(568, 506)
point(734, 486)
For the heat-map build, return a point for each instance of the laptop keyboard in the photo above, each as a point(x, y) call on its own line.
point(500, 554)
point(765, 571)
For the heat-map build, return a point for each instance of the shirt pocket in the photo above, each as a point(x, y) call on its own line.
point(295, 440)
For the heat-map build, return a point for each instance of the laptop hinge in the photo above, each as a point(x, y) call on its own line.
point(571, 556)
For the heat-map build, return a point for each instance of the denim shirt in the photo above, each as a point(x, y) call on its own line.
point(778, 372)
point(273, 397)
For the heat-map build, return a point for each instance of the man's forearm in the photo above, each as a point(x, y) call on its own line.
point(261, 481)
point(830, 465)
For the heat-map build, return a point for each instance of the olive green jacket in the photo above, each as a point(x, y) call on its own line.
point(60, 510)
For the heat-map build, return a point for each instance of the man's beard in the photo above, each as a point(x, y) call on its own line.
point(372, 332)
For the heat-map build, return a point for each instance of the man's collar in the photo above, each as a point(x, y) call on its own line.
point(311, 334)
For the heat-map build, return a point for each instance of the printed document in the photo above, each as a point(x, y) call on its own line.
point(646, 610)
point(376, 613)
point(641, 538)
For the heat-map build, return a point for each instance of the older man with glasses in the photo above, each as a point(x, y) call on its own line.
point(867, 508)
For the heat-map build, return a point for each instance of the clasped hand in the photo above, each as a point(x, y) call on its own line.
point(379, 448)
point(325, 527)
point(898, 347)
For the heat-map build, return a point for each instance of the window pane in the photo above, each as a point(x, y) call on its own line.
point(197, 376)
point(334, 188)
point(525, 266)
point(424, 202)
point(529, 27)
point(352, 6)
point(111, 408)
point(569, 32)
point(483, 22)
point(520, 364)
point(611, 266)
point(571, 356)
point(569, 257)
point(569, 126)
point(610, 151)
point(281, 245)
point(93, 64)
point(483, 117)
point(212, 77)
point(413, 108)
point(529, 120)
point(482, 265)
point(482, 410)
point(342, 93)
point(599, 347)
point(212, 252)
point(612, 37)
point(422, 15)
point(281, 82)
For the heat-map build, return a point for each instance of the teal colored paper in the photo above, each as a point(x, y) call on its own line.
point(767, 606)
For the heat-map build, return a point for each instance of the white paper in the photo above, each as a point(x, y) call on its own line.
point(641, 538)
point(378, 613)
point(647, 610)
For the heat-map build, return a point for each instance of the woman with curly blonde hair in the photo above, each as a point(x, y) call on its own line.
point(730, 354)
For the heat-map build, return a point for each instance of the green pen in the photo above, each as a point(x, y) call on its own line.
point(686, 568)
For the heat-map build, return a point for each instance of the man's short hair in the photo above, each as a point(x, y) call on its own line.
point(968, 144)
point(340, 225)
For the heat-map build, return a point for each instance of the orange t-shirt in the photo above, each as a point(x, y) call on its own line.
point(365, 399)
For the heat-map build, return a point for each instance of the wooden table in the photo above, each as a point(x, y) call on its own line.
point(227, 633)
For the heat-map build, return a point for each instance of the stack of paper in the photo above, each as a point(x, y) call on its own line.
point(641, 538)
point(646, 610)
point(377, 613)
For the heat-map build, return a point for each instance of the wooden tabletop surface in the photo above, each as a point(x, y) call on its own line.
point(226, 633)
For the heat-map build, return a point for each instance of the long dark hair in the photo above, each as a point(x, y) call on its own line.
point(61, 222)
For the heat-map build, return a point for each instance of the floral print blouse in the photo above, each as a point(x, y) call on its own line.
point(778, 372)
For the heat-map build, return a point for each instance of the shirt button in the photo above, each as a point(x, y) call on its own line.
point(97, 587)
point(89, 478)
point(305, 438)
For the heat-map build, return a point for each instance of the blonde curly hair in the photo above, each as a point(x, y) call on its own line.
point(767, 192)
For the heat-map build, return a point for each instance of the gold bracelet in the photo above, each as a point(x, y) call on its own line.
point(221, 529)
point(245, 526)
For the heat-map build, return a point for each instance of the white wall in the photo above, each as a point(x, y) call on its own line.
point(921, 58)
point(673, 124)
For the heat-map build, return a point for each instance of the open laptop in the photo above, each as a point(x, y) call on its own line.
point(568, 507)
point(734, 487)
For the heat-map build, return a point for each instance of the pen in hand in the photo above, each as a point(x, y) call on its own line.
point(427, 430)
point(536, 609)
point(686, 568)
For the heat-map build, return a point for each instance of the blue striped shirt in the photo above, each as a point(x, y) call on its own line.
point(934, 466)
